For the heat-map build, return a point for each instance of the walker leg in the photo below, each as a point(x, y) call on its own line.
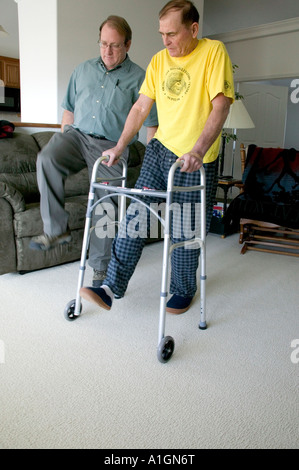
point(163, 294)
point(74, 307)
point(165, 344)
point(203, 277)
point(202, 323)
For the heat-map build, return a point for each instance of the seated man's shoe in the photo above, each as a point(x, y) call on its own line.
point(98, 278)
point(97, 295)
point(178, 304)
point(46, 242)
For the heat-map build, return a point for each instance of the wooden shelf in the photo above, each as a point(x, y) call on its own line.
point(35, 124)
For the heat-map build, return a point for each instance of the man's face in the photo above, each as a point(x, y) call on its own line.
point(179, 39)
point(113, 47)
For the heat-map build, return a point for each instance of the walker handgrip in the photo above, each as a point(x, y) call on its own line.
point(172, 170)
point(96, 165)
point(106, 158)
point(180, 162)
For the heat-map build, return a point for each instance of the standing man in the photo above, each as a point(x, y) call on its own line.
point(99, 97)
point(191, 81)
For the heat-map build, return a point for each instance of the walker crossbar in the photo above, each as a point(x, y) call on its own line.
point(133, 198)
point(74, 307)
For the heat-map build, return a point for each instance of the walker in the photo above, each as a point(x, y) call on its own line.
point(74, 308)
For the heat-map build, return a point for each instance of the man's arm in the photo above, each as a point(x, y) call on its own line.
point(67, 119)
point(193, 159)
point(134, 121)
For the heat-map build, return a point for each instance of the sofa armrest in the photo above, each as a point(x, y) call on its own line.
point(13, 196)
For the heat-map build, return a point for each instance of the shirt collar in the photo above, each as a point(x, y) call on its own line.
point(125, 63)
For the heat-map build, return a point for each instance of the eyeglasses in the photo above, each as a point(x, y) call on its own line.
point(114, 45)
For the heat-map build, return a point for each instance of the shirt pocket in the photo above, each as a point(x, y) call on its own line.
point(121, 100)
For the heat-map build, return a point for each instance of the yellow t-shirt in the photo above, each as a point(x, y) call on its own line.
point(183, 88)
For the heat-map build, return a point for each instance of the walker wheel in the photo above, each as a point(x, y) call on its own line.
point(165, 349)
point(69, 311)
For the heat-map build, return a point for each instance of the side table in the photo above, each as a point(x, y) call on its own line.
point(225, 185)
point(216, 225)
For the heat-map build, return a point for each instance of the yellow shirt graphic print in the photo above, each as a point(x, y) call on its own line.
point(183, 88)
point(176, 84)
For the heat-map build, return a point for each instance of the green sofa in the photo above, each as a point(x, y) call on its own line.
point(19, 204)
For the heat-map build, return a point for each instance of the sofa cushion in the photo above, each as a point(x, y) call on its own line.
point(18, 164)
point(42, 138)
point(25, 183)
point(18, 154)
point(7, 241)
point(29, 260)
point(29, 222)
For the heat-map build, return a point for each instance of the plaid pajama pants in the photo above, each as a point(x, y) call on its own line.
point(127, 247)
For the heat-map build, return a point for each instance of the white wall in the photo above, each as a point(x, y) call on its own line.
point(78, 31)
point(229, 15)
point(38, 60)
point(55, 36)
point(264, 52)
point(268, 52)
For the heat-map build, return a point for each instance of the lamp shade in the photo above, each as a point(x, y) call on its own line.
point(2, 31)
point(238, 117)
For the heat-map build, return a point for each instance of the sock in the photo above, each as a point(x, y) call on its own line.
point(108, 291)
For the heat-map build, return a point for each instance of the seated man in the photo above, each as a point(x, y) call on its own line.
point(191, 82)
point(99, 97)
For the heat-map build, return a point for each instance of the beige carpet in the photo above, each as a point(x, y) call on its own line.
point(97, 383)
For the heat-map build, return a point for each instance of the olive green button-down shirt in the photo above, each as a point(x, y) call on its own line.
point(101, 99)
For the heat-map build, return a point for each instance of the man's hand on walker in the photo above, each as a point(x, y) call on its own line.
point(113, 155)
point(192, 162)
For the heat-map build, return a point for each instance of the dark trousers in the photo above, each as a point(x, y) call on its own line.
point(127, 248)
